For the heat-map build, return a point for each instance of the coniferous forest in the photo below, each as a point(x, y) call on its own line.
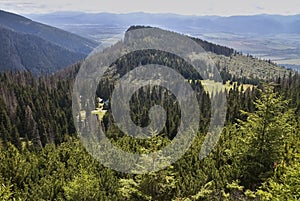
point(256, 158)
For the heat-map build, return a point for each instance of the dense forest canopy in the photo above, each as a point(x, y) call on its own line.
point(256, 158)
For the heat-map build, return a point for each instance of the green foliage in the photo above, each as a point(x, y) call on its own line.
point(84, 186)
point(153, 186)
point(285, 184)
point(5, 191)
point(266, 134)
point(34, 111)
point(65, 172)
point(256, 157)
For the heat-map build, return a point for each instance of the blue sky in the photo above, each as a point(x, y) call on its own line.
point(185, 7)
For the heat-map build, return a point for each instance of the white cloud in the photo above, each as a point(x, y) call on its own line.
point(190, 7)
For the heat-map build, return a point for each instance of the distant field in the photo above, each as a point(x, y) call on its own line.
point(280, 48)
point(288, 61)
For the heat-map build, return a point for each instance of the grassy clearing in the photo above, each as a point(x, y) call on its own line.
point(100, 113)
point(212, 87)
point(229, 86)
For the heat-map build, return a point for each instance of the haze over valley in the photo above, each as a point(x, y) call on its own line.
point(273, 37)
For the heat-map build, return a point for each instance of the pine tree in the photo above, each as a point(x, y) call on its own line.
point(265, 134)
point(16, 138)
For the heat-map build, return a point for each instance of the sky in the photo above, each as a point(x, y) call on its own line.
point(184, 7)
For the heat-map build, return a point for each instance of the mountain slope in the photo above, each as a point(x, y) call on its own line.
point(274, 37)
point(19, 51)
point(227, 60)
point(62, 38)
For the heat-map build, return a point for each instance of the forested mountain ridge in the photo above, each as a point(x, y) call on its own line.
point(256, 158)
point(39, 159)
point(207, 46)
point(274, 37)
point(37, 48)
point(237, 65)
point(26, 52)
point(54, 35)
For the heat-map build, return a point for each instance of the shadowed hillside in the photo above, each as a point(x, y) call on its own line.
point(59, 37)
point(19, 52)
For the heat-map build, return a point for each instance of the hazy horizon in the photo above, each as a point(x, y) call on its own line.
point(142, 12)
point(188, 7)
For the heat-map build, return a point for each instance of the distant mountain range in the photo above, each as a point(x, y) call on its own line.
point(42, 49)
point(273, 37)
point(256, 24)
point(38, 48)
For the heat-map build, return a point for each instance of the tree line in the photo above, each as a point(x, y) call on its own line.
point(256, 157)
